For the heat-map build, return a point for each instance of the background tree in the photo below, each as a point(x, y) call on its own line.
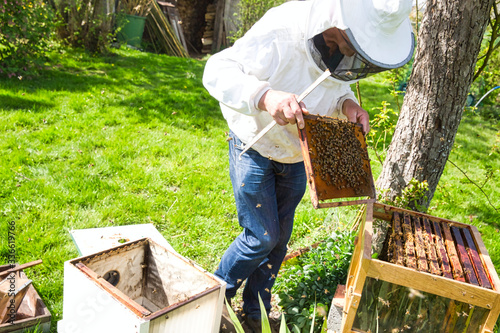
point(492, 40)
point(448, 44)
point(86, 24)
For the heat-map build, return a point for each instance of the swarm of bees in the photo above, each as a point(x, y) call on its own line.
point(338, 155)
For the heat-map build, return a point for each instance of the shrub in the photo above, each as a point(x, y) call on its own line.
point(25, 29)
point(307, 283)
point(87, 24)
point(412, 196)
point(250, 11)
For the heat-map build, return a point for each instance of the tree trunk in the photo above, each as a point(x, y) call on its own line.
point(447, 47)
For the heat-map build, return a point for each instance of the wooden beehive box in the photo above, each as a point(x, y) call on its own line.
point(432, 275)
point(31, 313)
point(336, 162)
point(139, 286)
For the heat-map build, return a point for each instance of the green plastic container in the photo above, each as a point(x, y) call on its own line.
point(132, 31)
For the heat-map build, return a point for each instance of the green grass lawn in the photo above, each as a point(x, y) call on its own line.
point(134, 138)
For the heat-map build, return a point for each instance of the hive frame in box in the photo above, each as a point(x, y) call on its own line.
point(319, 189)
point(363, 266)
point(159, 291)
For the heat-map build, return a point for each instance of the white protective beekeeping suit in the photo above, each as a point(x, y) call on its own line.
point(276, 54)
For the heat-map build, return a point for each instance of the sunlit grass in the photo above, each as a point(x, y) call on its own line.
point(134, 138)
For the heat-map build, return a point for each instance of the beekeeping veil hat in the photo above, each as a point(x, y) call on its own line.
point(378, 30)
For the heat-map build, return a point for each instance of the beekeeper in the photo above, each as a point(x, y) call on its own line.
point(258, 80)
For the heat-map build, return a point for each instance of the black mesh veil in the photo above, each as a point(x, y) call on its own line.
point(349, 68)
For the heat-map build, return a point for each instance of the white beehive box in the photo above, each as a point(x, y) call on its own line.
point(93, 240)
point(139, 286)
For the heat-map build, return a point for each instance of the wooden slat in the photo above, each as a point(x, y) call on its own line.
point(397, 236)
point(443, 259)
point(387, 252)
point(356, 282)
point(367, 253)
point(344, 203)
point(437, 285)
point(352, 303)
point(430, 247)
point(420, 246)
point(409, 244)
point(305, 148)
point(219, 37)
point(20, 268)
point(485, 258)
point(381, 210)
point(492, 317)
point(467, 268)
point(475, 259)
point(456, 267)
point(357, 255)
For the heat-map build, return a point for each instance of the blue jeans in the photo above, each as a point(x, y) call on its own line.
point(266, 194)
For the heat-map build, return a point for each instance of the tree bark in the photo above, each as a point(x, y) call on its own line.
point(447, 47)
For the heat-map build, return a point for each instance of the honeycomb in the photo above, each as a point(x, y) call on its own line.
point(337, 155)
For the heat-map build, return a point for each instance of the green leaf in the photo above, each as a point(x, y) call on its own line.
point(324, 327)
point(283, 327)
point(234, 319)
point(312, 322)
point(266, 327)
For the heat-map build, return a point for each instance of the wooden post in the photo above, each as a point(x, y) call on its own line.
point(360, 269)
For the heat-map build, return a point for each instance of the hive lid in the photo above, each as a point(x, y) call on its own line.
point(336, 162)
point(94, 240)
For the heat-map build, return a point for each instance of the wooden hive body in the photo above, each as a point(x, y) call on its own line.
point(139, 286)
point(417, 291)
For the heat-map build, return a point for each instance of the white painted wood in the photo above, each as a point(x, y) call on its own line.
point(181, 296)
point(94, 240)
point(197, 316)
point(87, 308)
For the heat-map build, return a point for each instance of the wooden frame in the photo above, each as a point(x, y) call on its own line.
point(363, 266)
point(31, 312)
point(321, 190)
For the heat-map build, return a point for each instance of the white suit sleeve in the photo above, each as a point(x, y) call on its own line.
point(347, 94)
point(237, 76)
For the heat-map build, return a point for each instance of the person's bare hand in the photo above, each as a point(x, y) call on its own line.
point(356, 114)
point(283, 107)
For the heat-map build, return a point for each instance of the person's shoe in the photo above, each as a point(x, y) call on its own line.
point(275, 323)
point(252, 325)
